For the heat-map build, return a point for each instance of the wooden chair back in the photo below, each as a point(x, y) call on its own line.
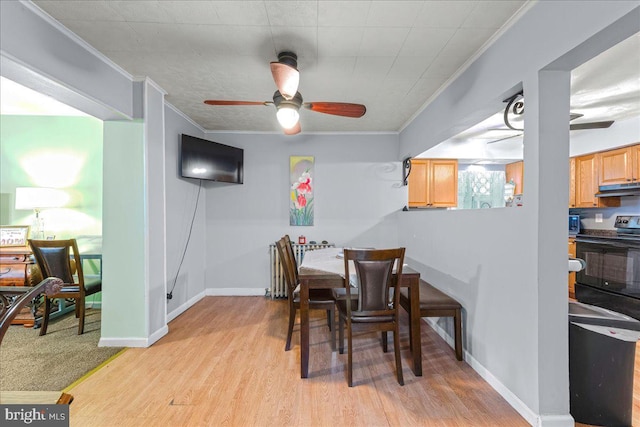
point(53, 258)
point(288, 265)
point(378, 287)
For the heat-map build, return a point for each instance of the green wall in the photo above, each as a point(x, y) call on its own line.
point(52, 151)
point(60, 152)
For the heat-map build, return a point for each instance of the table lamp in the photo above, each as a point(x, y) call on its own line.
point(38, 198)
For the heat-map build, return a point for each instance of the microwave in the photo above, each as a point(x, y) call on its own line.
point(574, 225)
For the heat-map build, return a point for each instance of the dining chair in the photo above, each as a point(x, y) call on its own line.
point(319, 294)
point(318, 298)
point(61, 258)
point(377, 305)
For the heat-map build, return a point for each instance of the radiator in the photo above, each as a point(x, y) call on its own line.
point(278, 287)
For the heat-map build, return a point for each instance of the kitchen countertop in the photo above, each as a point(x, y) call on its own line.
point(599, 233)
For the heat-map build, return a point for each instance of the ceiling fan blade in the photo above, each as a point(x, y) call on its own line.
point(573, 116)
point(286, 78)
point(591, 125)
point(344, 109)
point(503, 139)
point(223, 102)
point(294, 130)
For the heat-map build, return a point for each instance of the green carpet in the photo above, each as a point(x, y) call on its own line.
point(29, 362)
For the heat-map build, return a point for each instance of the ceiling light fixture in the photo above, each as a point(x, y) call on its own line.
point(287, 114)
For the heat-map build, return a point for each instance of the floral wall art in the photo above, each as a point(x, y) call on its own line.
point(302, 185)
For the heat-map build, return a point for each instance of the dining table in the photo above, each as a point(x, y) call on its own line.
point(324, 269)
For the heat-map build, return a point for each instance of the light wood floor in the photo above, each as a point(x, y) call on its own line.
point(223, 363)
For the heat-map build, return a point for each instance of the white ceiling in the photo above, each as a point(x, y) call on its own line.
point(392, 56)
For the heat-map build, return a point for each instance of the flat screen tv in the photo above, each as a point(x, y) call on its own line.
point(202, 159)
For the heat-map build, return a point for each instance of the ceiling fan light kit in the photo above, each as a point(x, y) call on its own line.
point(287, 117)
point(287, 114)
point(288, 100)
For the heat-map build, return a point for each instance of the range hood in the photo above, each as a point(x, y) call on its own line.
point(627, 189)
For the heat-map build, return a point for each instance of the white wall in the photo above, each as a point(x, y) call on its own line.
point(53, 52)
point(155, 215)
point(502, 264)
point(184, 253)
point(357, 197)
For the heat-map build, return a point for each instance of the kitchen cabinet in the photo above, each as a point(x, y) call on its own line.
point(433, 183)
point(515, 172)
point(619, 166)
point(572, 182)
point(572, 275)
point(586, 184)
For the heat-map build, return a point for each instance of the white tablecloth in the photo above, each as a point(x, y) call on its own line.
point(327, 259)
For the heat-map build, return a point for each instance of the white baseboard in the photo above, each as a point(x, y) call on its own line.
point(123, 342)
point(530, 416)
point(158, 334)
point(134, 342)
point(184, 307)
point(235, 292)
point(556, 421)
point(433, 322)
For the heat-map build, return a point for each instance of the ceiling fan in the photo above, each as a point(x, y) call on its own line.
point(288, 100)
point(513, 119)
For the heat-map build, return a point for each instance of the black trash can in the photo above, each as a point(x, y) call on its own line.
point(602, 347)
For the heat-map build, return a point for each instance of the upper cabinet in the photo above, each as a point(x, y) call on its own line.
point(587, 170)
point(515, 172)
point(572, 182)
point(619, 166)
point(433, 183)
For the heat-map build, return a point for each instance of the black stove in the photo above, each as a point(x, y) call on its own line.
point(627, 229)
point(611, 278)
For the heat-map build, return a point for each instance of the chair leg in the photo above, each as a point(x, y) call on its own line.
point(410, 334)
point(80, 305)
point(45, 316)
point(396, 349)
point(340, 334)
point(385, 346)
point(349, 355)
point(292, 319)
point(458, 333)
point(331, 314)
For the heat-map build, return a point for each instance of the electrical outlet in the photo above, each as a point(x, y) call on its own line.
point(598, 217)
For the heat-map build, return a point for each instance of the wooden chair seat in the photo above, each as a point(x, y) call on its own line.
point(435, 303)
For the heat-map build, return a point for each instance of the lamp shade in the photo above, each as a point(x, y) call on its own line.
point(287, 116)
point(40, 197)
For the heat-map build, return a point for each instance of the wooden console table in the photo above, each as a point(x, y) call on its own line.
point(15, 279)
point(15, 268)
